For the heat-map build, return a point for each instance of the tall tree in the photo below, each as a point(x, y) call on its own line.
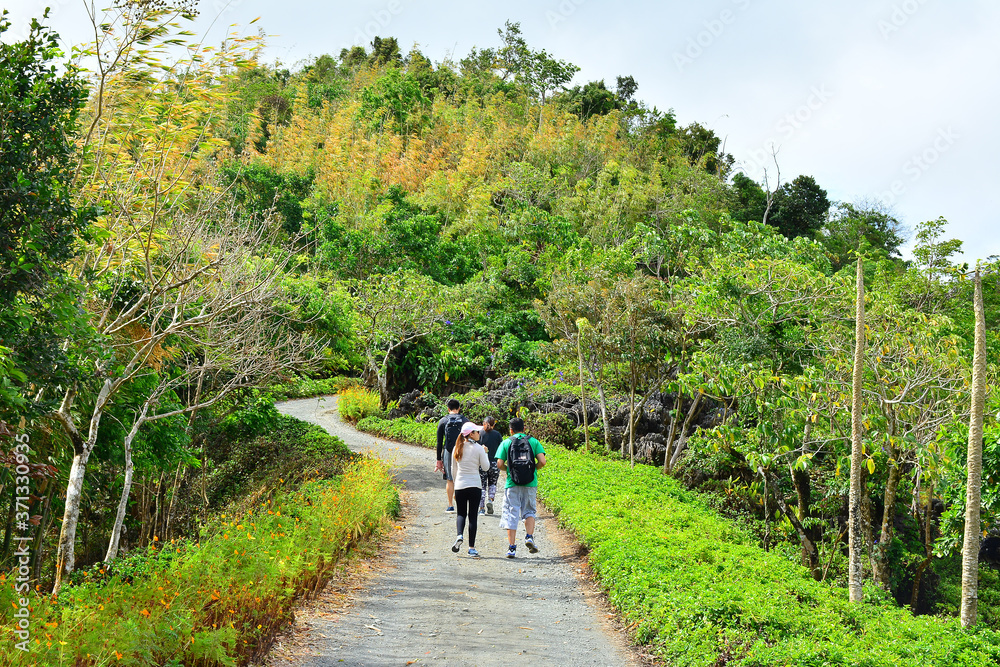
point(39, 221)
point(855, 527)
point(970, 548)
point(799, 208)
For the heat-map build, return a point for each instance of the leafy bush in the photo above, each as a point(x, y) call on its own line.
point(553, 427)
point(356, 403)
point(218, 601)
point(404, 429)
point(307, 388)
point(255, 449)
point(702, 593)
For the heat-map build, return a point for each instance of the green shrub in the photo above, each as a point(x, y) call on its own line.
point(307, 388)
point(404, 429)
point(218, 601)
point(702, 593)
point(356, 403)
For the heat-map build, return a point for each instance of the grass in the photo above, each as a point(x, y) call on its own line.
point(701, 593)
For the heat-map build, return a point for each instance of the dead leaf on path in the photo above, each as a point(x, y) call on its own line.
point(372, 627)
point(524, 628)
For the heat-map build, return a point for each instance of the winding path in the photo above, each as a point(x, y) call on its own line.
point(428, 605)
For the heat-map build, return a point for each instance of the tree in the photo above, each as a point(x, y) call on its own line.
point(704, 149)
point(970, 549)
point(932, 256)
point(800, 208)
point(751, 200)
point(39, 220)
point(855, 528)
point(393, 310)
point(865, 226)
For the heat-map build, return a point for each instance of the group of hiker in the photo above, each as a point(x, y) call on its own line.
point(470, 457)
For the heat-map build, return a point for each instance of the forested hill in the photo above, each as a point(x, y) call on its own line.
point(183, 226)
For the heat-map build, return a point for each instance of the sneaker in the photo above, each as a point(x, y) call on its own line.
point(512, 551)
point(473, 553)
point(529, 541)
point(482, 511)
point(457, 544)
point(450, 509)
point(489, 507)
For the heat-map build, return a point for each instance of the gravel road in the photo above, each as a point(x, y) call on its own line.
point(428, 605)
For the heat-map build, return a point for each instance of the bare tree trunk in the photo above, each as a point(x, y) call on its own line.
point(583, 392)
point(881, 550)
point(116, 530)
point(928, 548)
point(631, 425)
point(43, 527)
point(855, 528)
point(65, 556)
point(685, 430)
point(604, 416)
point(675, 414)
point(973, 485)
point(808, 546)
point(174, 490)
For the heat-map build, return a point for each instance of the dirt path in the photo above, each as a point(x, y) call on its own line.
point(428, 605)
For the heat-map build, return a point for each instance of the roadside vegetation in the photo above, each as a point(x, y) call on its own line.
point(181, 245)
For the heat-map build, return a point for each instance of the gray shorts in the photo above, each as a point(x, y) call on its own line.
point(446, 459)
point(518, 503)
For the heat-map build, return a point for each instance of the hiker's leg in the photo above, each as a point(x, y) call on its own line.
point(473, 504)
point(528, 509)
point(449, 489)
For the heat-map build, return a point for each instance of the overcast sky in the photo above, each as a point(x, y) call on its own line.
point(892, 99)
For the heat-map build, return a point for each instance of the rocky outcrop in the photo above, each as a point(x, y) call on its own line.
point(505, 398)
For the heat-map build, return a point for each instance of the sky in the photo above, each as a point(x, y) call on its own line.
point(893, 100)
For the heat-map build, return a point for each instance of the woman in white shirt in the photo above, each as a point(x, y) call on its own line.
point(467, 459)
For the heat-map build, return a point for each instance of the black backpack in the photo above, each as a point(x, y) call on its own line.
point(452, 429)
point(521, 460)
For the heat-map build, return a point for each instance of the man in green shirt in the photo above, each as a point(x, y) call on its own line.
point(519, 499)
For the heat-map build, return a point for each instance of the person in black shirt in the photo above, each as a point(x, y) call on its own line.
point(490, 438)
point(448, 430)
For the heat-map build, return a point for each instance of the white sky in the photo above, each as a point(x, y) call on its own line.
point(864, 95)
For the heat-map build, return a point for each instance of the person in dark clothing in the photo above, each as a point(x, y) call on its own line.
point(448, 431)
point(490, 438)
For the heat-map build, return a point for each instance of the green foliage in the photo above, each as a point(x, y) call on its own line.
point(258, 189)
point(799, 208)
point(221, 599)
point(404, 429)
point(308, 387)
point(257, 449)
point(355, 403)
point(39, 222)
point(394, 100)
point(700, 593)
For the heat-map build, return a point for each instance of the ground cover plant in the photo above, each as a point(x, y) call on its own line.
point(218, 600)
point(405, 430)
point(701, 592)
point(356, 403)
